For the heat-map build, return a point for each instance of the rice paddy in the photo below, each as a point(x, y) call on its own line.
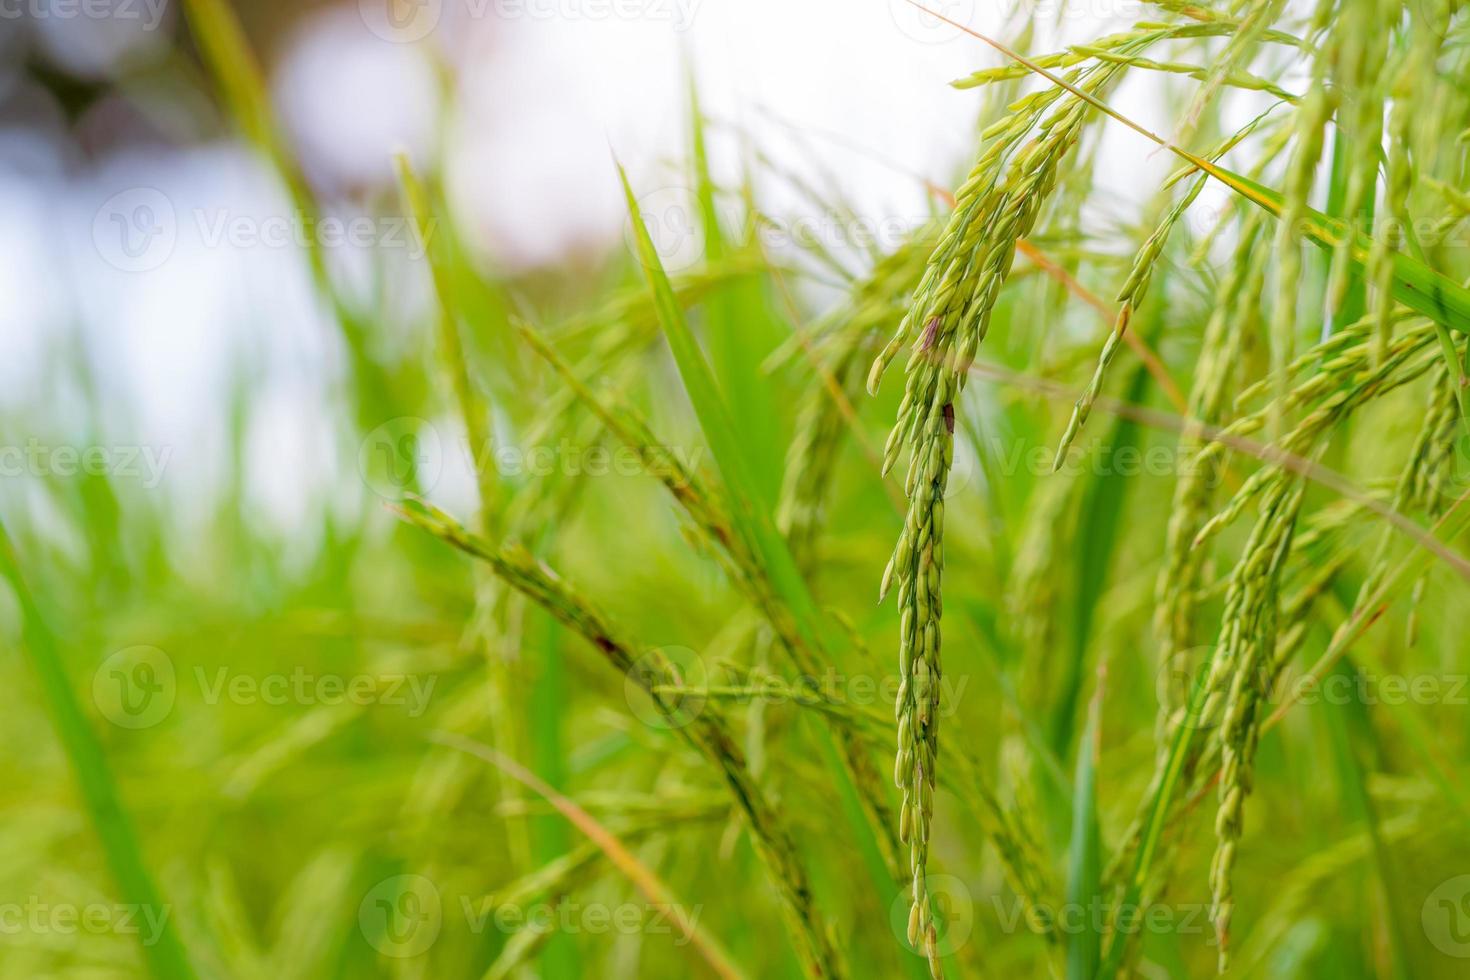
point(1070, 585)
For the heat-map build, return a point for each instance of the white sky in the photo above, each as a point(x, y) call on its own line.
point(543, 92)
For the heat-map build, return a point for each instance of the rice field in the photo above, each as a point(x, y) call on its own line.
point(1051, 584)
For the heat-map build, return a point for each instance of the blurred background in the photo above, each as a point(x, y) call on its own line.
point(143, 232)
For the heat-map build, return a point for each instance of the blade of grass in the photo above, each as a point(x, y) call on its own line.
point(706, 731)
point(546, 706)
point(1099, 529)
point(1123, 927)
point(1084, 870)
point(472, 409)
point(223, 45)
point(642, 877)
point(1351, 736)
point(165, 956)
point(740, 328)
point(506, 715)
point(751, 521)
point(1355, 300)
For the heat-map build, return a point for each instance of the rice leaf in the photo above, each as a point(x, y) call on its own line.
point(1084, 870)
point(752, 521)
point(165, 957)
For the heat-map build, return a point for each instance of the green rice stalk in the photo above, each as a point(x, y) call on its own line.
point(950, 313)
point(1129, 298)
point(707, 732)
point(745, 571)
point(505, 715)
point(227, 54)
point(1247, 643)
point(1231, 319)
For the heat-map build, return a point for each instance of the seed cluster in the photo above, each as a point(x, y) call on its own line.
point(946, 321)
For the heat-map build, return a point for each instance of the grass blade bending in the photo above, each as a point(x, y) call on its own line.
point(752, 521)
point(643, 878)
point(165, 956)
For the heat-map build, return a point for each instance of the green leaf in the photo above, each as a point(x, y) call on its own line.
point(1350, 730)
point(1153, 826)
point(1084, 869)
point(751, 521)
point(164, 956)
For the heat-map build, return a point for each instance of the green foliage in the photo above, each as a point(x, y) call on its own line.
point(1170, 532)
